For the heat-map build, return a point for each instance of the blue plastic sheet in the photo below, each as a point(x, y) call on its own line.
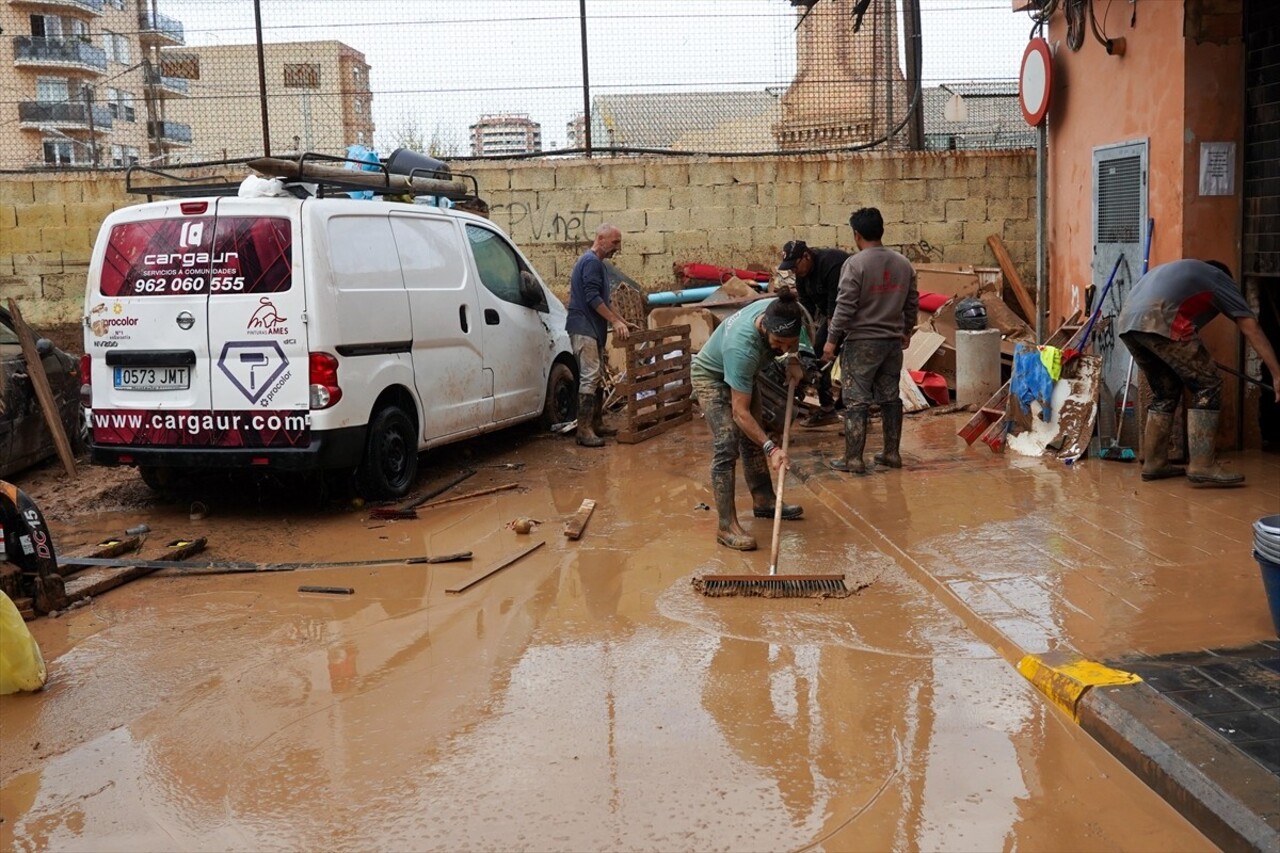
point(1031, 380)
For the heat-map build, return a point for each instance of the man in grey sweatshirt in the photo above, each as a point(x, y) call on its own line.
point(875, 316)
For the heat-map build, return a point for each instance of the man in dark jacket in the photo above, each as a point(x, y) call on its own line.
point(817, 273)
point(590, 316)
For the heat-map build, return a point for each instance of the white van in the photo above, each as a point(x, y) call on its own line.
point(312, 334)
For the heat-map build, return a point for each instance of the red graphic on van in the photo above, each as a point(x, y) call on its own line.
point(192, 256)
point(192, 428)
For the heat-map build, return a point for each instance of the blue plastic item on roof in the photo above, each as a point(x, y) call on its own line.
point(369, 157)
point(1031, 380)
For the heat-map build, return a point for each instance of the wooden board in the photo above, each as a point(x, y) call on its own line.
point(97, 581)
point(574, 526)
point(913, 399)
point(40, 381)
point(1025, 302)
point(494, 568)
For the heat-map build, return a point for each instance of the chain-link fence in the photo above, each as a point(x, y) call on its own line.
point(109, 83)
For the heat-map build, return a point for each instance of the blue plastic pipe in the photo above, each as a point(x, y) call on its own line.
point(679, 297)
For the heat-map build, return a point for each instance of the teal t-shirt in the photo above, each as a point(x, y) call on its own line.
point(736, 351)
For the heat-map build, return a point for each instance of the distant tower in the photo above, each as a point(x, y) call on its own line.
point(848, 88)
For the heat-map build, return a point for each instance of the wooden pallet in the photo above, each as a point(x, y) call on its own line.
point(657, 361)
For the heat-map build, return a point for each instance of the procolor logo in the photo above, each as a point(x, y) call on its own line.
point(192, 234)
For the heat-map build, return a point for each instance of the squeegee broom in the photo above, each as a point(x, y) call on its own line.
point(774, 585)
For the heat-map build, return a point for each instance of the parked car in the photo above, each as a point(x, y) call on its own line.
point(312, 334)
point(25, 438)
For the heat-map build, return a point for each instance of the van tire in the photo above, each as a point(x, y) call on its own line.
point(562, 396)
point(159, 478)
point(390, 461)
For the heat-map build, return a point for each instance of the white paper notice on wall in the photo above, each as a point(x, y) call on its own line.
point(1217, 168)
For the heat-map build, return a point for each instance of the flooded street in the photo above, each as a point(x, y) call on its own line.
point(584, 698)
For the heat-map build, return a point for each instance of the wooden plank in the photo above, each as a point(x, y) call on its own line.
point(657, 419)
point(108, 548)
point(630, 389)
point(98, 581)
point(470, 495)
point(574, 526)
point(640, 360)
point(637, 436)
point(40, 381)
point(1025, 301)
point(650, 335)
point(636, 408)
point(913, 399)
point(924, 343)
point(494, 568)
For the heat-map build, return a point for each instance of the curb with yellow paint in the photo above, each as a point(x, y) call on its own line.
point(1065, 679)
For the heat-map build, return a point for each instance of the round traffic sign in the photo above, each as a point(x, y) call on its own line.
point(1034, 81)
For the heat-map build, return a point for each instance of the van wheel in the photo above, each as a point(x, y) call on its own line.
point(562, 397)
point(390, 461)
point(159, 478)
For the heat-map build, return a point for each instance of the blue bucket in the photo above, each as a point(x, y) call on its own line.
point(1271, 584)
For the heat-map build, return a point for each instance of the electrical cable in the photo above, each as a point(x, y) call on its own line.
point(1075, 12)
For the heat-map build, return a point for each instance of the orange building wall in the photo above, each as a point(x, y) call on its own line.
point(1175, 94)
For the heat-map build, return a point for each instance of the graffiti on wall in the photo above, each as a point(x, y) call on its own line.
point(543, 223)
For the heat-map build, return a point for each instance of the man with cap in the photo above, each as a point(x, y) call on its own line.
point(817, 273)
point(1160, 325)
point(724, 374)
point(875, 316)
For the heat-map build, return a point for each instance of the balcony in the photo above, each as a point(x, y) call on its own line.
point(170, 132)
point(154, 28)
point(91, 7)
point(167, 87)
point(39, 52)
point(63, 115)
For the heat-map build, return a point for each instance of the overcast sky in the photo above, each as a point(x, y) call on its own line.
point(440, 64)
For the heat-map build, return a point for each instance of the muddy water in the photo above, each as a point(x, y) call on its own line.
point(582, 699)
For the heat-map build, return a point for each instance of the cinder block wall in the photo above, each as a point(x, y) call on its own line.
point(733, 212)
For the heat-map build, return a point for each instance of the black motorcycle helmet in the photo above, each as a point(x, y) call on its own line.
point(971, 314)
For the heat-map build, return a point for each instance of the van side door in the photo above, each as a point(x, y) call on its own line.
point(448, 338)
point(518, 341)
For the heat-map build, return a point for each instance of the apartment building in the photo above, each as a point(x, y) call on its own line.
point(317, 94)
point(505, 134)
point(83, 84)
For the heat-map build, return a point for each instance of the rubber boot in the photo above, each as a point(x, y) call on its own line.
point(891, 419)
point(1203, 470)
point(730, 534)
point(586, 419)
point(597, 423)
point(764, 500)
point(1155, 443)
point(855, 438)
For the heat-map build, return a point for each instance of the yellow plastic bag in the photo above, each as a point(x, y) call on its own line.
point(21, 664)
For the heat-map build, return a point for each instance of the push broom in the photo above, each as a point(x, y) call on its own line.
point(774, 585)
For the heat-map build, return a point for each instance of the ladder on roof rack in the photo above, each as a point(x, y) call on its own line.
point(323, 173)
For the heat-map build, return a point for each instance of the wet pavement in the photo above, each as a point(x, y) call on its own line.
point(586, 699)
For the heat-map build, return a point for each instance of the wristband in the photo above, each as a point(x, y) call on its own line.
point(768, 447)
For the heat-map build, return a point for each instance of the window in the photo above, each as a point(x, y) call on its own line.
point(302, 75)
point(52, 90)
point(116, 46)
point(120, 103)
point(497, 264)
point(59, 152)
point(116, 4)
point(46, 26)
point(123, 155)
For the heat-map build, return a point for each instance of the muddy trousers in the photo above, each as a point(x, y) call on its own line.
point(727, 445)
point(869, 373)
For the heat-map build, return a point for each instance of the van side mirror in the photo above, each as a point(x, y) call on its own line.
point(531, 292)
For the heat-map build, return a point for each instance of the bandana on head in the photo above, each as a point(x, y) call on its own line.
point(780, 326)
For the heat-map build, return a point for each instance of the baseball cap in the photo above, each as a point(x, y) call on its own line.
point(791, 253)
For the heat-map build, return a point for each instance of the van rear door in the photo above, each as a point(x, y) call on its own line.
point(184, 351)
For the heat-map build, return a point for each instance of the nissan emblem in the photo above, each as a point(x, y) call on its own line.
point(186, 320)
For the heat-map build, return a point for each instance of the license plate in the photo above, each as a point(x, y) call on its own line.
point(152, 378)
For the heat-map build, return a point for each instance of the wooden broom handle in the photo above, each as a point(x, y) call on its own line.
point(782, 478)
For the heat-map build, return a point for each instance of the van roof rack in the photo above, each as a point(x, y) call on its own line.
point(319, 175)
